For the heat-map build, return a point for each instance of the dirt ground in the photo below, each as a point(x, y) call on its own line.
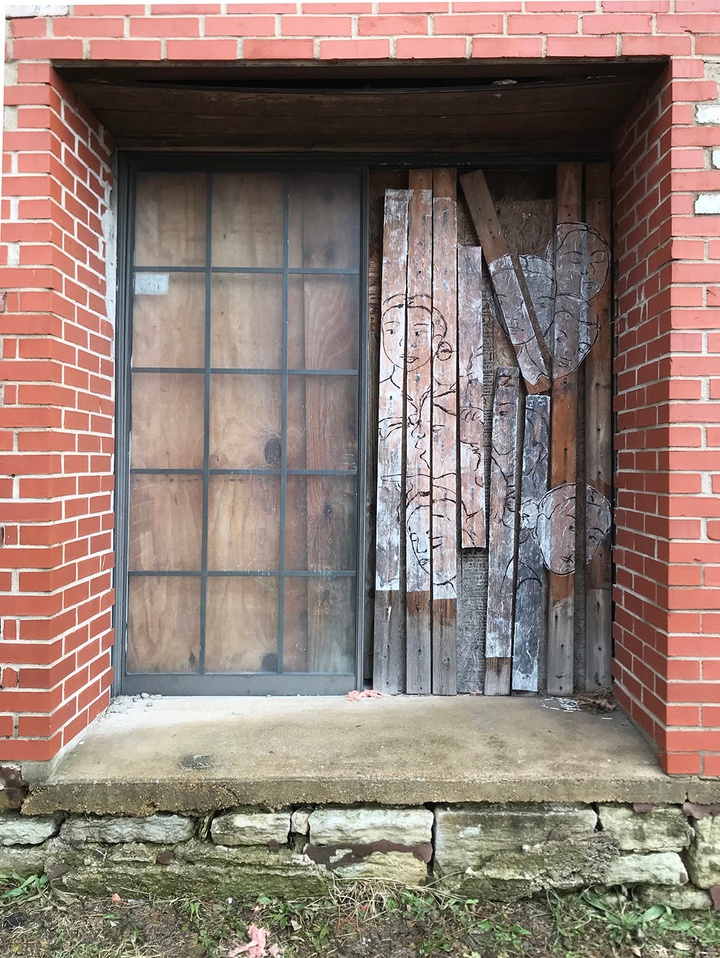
point(353, 922)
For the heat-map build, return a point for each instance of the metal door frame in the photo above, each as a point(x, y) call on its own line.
point(244, 683)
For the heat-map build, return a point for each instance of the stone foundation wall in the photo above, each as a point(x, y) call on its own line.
point(667, 853)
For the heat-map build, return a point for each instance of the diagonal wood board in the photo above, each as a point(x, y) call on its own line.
point(515, 310)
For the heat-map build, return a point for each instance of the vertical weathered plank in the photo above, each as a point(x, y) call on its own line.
point(420, 179)
point(514, 311)
point(444, 521)
point(530, 593)
point(563, 458)
point(418, 369)
point(598, 417)
point(502, 523)
point(473, 528)
point(379, 182)
point(389, 661)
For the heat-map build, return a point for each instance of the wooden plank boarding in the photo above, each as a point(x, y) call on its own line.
point(417, 446)
point(420, 179)
point(598, 399)
point(473, 526)
point(563, 461)
point(530, 594)
point(502, 522)
point(389, 658)
point(444, 521)
point(514, 309)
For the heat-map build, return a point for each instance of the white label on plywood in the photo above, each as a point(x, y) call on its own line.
point(152, 284)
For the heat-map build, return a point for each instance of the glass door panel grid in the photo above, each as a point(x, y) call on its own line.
point(282, 467)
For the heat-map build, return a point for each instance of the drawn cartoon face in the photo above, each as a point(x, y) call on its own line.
point(582, 260)
point(511, 313)
point(540, 278)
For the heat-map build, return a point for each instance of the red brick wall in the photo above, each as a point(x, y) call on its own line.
point(56, 626)
point(667, 595)
point(56, 418)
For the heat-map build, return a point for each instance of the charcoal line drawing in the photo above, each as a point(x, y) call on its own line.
point(551, 522)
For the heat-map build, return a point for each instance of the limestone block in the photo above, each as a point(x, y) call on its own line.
point(161, 829)
point(703, 856)
point(659, 830)
point(657, 868)
point(192, 868)
point(467, 836)
point(708, 113)
point(197, 853)
point(509, 874)
point(300, 821)
point(338, 826)
point(707, 204)
point(15, 829)
point(24, 10)
point(685, 898)
point(248, 826)
point(22, 861)
point(401, 867)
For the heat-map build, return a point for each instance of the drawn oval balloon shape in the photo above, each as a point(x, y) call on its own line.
point(572, 334)
point(555, 525)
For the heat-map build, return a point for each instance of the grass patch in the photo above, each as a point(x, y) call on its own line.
point(363, 919)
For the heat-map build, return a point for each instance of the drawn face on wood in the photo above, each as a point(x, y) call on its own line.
point(444, 522)
point(511, 312)
point(582, 260)
point(419, 331)
point(573, 333)
point(503, 408)
point(392, 328)
point(555, 525)
point(540, 278)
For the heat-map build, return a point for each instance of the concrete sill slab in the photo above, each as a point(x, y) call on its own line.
point(200, 754)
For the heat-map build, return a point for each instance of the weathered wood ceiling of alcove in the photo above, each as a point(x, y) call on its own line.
point(558, 108)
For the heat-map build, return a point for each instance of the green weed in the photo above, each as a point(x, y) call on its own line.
point(14, 886)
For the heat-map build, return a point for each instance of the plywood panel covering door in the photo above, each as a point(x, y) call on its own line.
point(244, 450)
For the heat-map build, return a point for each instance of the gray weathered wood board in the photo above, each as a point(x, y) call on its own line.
point(473, 526)
point(389, 659)
point(418, 377)
point(444, 522)
point(598, 464)
point(502, 525)
point(531, 588)
point(563, 466)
